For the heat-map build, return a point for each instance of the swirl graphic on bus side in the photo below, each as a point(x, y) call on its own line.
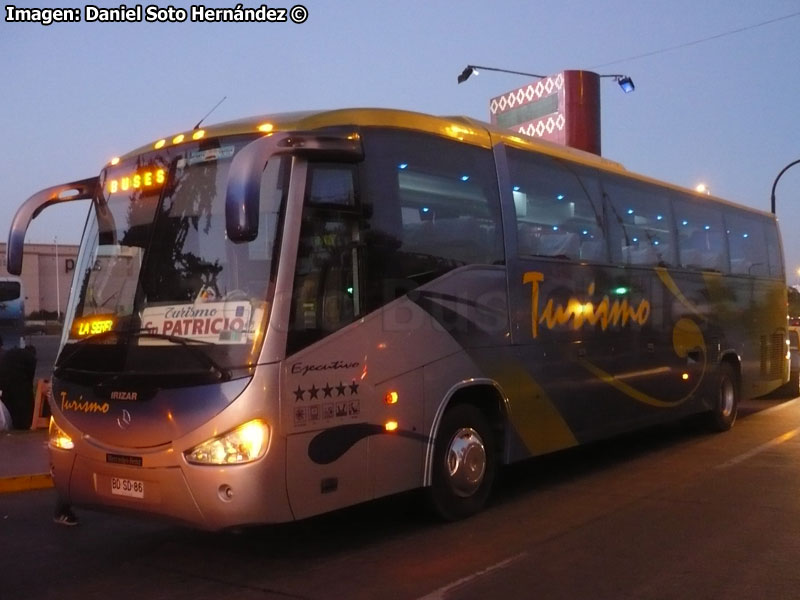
point(686, 338)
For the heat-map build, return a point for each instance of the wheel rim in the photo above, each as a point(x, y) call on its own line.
point(466, 461)
point(726, 398)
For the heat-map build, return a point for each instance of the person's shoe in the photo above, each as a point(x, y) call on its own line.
point(66, 518)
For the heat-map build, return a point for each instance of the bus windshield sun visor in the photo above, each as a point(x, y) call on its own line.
point(244, 180)
point(30, 209)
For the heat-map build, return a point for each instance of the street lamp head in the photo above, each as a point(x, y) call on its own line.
point(465, 74)
point(626, 83)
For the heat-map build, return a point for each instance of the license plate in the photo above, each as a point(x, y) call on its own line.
point(127, 487)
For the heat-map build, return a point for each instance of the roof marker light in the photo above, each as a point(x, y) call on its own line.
point(199, 134)
point(266, 127)
point(159, 144)
point(114, 161)
point(178, 138)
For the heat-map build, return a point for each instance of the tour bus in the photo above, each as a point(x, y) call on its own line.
point(12, 311)
point(277, 317)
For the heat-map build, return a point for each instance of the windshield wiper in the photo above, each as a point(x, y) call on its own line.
point(220, 372)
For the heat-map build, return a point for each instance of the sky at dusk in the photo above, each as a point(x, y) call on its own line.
point(717, 95)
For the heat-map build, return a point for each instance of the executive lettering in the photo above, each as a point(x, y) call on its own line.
point(302, 369)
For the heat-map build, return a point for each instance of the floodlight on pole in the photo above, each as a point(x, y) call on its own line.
point(624, 81)
point(473, 70)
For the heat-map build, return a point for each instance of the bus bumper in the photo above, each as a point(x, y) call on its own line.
point(205, 497)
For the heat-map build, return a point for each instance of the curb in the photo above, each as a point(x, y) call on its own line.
point(22, 483)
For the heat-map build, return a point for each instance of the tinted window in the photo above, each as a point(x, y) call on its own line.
point(640, 224)
point(701, 239)
point(773, 248)
point(747, 244)
point(326, 292)
point(432, 206)
point(9, 290)
point(557, 207)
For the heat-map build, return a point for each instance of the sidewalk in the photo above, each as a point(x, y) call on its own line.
point(24, 464)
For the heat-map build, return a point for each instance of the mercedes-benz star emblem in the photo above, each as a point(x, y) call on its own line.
point(125, 420)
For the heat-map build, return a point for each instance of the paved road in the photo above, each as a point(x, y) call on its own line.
point(668, 513)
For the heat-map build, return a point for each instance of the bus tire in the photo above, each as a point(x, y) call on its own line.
point(725, 399)
point(464, 463)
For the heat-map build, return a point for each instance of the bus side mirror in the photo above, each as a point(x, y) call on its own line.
point(244, 177)
point(30, 209)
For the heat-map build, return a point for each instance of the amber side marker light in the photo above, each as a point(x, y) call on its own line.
point(391, 426)
point(57, 438)
point(391, 398)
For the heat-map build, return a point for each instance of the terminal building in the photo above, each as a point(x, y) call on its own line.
point(47, 271)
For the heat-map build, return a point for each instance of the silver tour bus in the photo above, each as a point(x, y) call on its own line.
point(277, 317)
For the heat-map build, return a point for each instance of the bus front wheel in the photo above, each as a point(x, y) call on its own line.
point(725, 399)
point(464, 463)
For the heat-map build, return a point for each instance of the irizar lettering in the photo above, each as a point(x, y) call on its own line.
point(605, 313)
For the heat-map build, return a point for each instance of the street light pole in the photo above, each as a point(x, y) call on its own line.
point(58, 287)
point(775, 183)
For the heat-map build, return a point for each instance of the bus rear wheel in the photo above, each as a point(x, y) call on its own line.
point(725, 399)
point(464, 463)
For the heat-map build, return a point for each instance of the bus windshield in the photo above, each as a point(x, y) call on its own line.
point(159, 288)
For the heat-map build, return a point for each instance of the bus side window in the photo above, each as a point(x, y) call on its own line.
point(701, 239)
point(773, 249)
point(640, 224)
point(747, 245)
point(433, 207)
point(558, 208)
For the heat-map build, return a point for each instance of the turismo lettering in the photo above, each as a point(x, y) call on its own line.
point(605, 313)
point(81, 405)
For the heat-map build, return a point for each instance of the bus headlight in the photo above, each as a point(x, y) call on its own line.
point(57, 438)
point(244, 444)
